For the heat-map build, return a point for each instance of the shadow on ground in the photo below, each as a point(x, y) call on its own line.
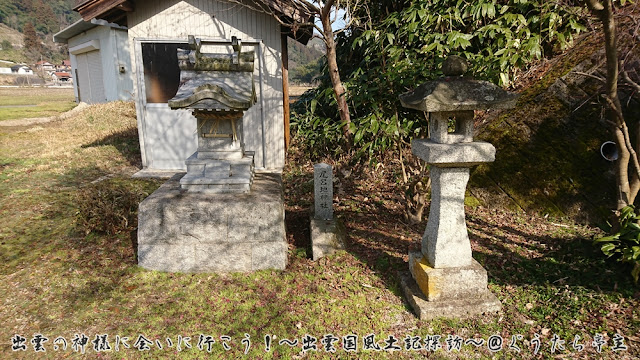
point(125, 141)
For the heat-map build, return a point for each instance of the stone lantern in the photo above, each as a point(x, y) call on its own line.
point(446, 280)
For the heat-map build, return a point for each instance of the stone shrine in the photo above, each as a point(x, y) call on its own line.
point(219, 216)
point(218, 88)
point(445, 279)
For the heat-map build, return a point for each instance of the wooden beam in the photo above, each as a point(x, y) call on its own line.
point(285, 91)
point(126, 6)
point(99, 8)
point(289, 9)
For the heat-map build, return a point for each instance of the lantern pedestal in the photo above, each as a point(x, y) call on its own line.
point(451, 301)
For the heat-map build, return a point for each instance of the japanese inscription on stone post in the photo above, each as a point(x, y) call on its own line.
point(323, 191)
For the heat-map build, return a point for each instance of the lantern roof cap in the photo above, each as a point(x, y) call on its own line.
point(455, 92)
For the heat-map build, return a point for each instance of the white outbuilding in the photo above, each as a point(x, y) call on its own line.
point(100, 60)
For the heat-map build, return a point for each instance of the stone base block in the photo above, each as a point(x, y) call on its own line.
point(327, 237)
point(461, 308)
point(447, 283)
point(218, 175)
point(183, 231)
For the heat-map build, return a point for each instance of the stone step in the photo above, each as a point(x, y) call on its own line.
point(215, 155)
point(218, 188)
point(216, 168)
point(215, 180)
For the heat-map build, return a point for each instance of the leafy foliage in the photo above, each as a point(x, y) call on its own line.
point(49, 16)
point(624, 245)
point(306, 73)
point(398, 50)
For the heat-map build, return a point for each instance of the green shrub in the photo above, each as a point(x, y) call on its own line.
point(624, 245)
point(383, 56)
point(111, 206)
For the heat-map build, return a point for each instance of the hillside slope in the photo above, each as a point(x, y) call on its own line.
point(11, 43)
point(548, 148)
point(14, 37)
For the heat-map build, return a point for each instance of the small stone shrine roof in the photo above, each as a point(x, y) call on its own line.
point(457, 93)
point(220, 82)
point(219, 90)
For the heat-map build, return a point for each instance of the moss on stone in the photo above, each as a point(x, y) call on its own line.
point(547, 154)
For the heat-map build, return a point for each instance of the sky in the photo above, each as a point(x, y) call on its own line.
point(338, 24)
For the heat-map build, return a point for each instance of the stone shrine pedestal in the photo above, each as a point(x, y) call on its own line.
point(219, 216)
point(186, 231)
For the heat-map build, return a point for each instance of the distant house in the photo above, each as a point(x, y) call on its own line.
point(5, 66)
point(65, 65)
point(21, 70)
point(60, 76)
point(100, 60)
point(158, 28)
point(45, 66)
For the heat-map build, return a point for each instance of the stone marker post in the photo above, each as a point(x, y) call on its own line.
point(323, 191)
point(447, 281)
point(327, 233)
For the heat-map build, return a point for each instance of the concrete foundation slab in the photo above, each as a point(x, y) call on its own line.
point(183, 231)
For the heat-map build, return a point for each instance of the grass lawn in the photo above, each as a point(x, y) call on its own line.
point(59, 280)
point(20, 103)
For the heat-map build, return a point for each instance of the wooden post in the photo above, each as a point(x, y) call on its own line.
point(285, 91)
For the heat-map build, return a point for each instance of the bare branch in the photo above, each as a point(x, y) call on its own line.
point(309, 6)
point(265, 9)
point(627, 79)
point(326, 10)
point(591, 76)
point(616, 110)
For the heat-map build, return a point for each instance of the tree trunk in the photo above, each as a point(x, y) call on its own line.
point(611, 49)
point(622, 170)
point(334, 75)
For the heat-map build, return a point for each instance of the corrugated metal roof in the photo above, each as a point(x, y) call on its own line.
point(79, 27)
